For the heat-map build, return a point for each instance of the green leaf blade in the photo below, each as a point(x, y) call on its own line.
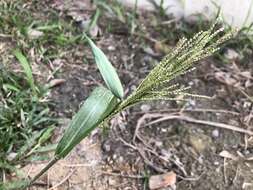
point(26, 67)
point(107, 71)
point(95, 109)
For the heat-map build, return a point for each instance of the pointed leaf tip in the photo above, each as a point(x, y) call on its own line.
point(106, 69)
point(26, 67)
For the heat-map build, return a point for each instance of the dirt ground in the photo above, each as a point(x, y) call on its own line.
point(187, 137)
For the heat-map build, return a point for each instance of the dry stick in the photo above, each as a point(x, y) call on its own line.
point(142, 154)
point(245, 94)
point(150, 149)
point(190, 110)
point(142, 119)
point(189, 178)
point(225, 171)
point(149, 163)
point(165, 117)
point(124, 176)
point(168, 161)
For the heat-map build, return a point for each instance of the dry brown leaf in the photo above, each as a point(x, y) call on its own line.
point(226, 154)
point(161, 47)
point(161, 181)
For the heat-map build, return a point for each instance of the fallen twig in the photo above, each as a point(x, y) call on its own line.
point(245, 94)
point(142, 154)
point(124, 176)
point(165, 117)
point(149, 163)
point(190, 110)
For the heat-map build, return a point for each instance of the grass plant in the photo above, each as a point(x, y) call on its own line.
point(25, 121)
point(102, 104)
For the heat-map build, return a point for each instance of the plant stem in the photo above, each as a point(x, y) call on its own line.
point(47, 167)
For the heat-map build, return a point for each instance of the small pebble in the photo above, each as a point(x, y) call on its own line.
point(114, 156)
point(111, 48)
point(247, 104)
point(246, 152)
point(158, 143)
point(106, 147)
point(121, 159)
point(215, 133)
point(163, 130)
point(34, 34)
point(145, 107)
point(133, 87)
point(122, 127)
point(216, 163)
point(231, 54)
point(112, 182)
point(201, 160)
point(11, 156)
point(191, 83)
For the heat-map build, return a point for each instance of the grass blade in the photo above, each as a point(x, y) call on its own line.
point(29, 144)
point(95, 109)
point(107, 71)
point(14, 185)
point(27, 68)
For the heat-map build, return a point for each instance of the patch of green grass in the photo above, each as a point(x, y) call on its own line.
point(125, 16)
point(24, 118)
point(35, 26)
point(26, 122)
